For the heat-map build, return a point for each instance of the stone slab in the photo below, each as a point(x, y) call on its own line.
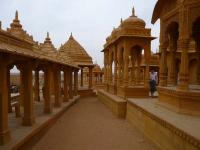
point(167, 129)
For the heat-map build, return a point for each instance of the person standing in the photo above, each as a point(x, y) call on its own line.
point(152, 82)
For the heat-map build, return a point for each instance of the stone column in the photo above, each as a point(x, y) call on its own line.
point(115, 77)
point(126, 65)
point(198, 72)
point(171, 72)
point(4, 130)
point(183, 44)
point(57, 87)
point(66, 84)
point(75, 82)
point(163, 65)
point(184, 67)
point(133, 59)
point(27, 94)
point(81, 77)
point(139, 59)
point(47, 89)
point(147, 55)
point(37, 86)
point(90, 77)
point(70, 84)
point(9, 94)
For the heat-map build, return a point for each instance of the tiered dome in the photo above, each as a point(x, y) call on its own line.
point(48, 47)
point(133, 21)
point(17, 30)
point(75, 51)
point(97, 69)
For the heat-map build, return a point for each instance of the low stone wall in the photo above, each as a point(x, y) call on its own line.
point(165, 135)
point(86, 92)
point(115, 103)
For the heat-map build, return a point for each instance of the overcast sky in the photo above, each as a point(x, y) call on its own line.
point(90, 21)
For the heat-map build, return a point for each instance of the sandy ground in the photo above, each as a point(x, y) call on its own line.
point(89, 125)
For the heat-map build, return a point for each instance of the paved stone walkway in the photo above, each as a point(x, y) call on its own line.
point(89, 125)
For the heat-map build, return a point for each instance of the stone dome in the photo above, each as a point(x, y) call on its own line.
point(133, 21)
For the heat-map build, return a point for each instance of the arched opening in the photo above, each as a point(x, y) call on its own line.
point(14, 87)
point(121, 66)
point(62, 83)
point(41, 85)
point(136, 55)
point(196, 33)
point(112, 66)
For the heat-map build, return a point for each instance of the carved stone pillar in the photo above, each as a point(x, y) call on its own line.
point(198, 72)
point(183, 44)
point(171, 72)
point(115, 77)
point(9, 94)
point(147, 55)
point(90, 77)
point(27, 88)
point(70, 84)
point(37, 86)
point(4, 130)
point(138, 74)
point(163, 65)
point(75, 82)
point(184, 67)
point(81, 77)
point(57, 87)
point(66, 86)
point(133, 70)
point(47, 89)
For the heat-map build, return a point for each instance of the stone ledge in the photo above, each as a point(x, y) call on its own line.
point(133, 92)
point(185, 102)
point(168, 130)
point(24, 135)
point(115, 103)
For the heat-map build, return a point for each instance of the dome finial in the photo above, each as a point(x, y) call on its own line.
point(121, 21)
point(47, 34)
point(133, 12)
point(16, 15)
point(71, 36)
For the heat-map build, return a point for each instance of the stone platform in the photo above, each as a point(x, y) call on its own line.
point(167, 129)
point(185, 102)
point(133, 92)
point(115, 103)
point(21, 136)
point(84, 92)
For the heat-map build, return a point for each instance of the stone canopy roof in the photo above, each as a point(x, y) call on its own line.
point(133, 26)
point(76, 52)
point(15, 40)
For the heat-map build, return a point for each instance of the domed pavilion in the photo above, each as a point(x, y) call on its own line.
point(123, 47)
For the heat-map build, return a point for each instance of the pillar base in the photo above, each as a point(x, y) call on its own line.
point(28, 121)
point(65, 99)
point(47, 110)
point(5, 137)
point(185, 102)
point(57, 105)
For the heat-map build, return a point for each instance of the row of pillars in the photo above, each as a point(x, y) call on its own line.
point(51, 80)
